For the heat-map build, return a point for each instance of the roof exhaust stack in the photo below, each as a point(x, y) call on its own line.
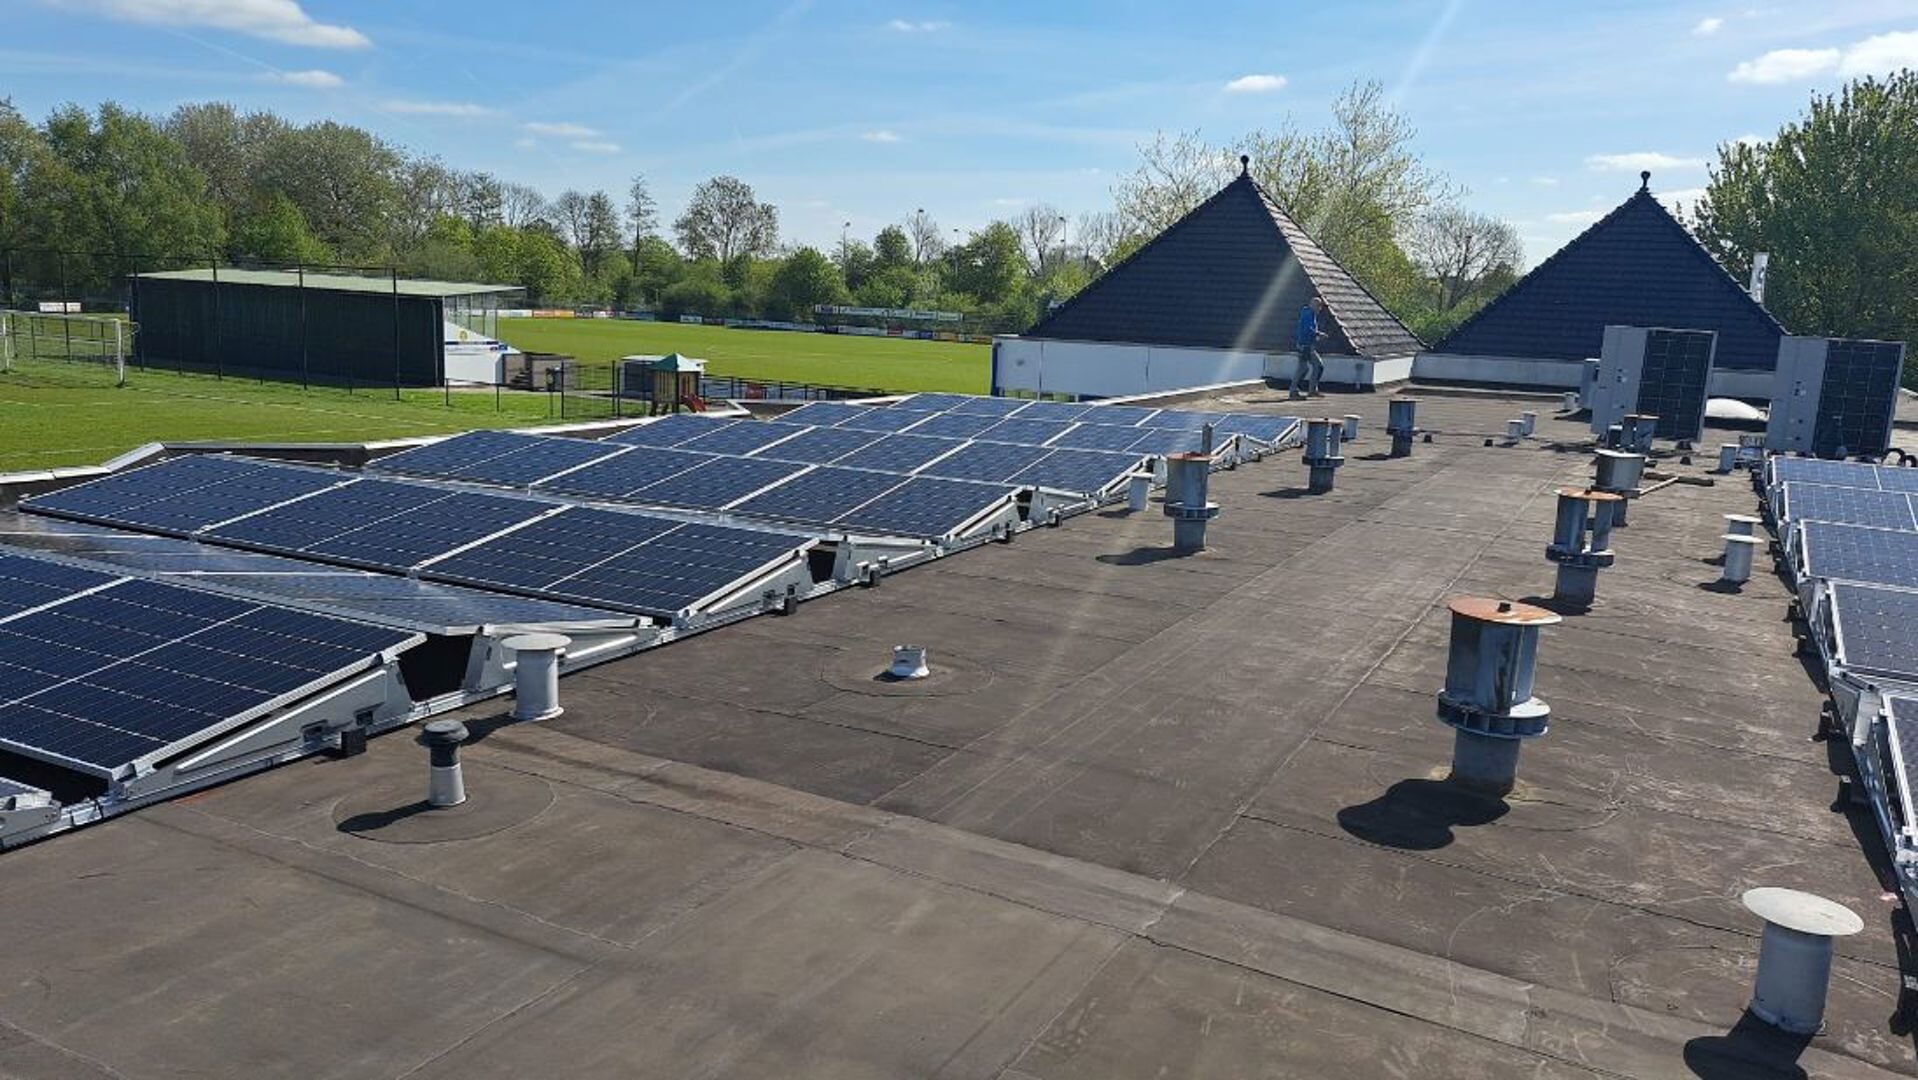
point(1738, 558)
point(1401, 422)
point(1487, 697)
point(1530, 420)
point(1618, 472)
point(1638, 431)
point(909, 662)
point(536, 674)
point(1322, 456)
point(1794, 956)
point(1351, 432)
point(1727, 457)
point(1187, 480)
point(1514, 430)
point(1138, 489)
point(1742, 524)
point(444, 784)
point(1581, 543)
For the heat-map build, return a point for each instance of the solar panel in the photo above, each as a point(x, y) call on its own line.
point(898, 453)
point(380, 523)
point(682, 567)
point(184, 494)
point(107, 678)
point(1058, 411)
point(1898, 479)
point(1875, 629)
point(817, 446)
point(1850, 506)
point(741, 438)
point(537, 461)
point(716, 483)
point(29, 583)
point(991, 462)
point(1024, 432)
point(989, 406)
point(450, 454)
point(1818, 471)
point(822, 495)
point(617, 477)
point(1266, 429)
point(927, 506)
point(882, 420)
point(1857, 397)
point(1127, 415)
point(1856, 553)
point(1671, 384)
point(954, 425)
point(1082, 471)
point(932, 402)
point(821, 413)
point(669, 430)
point(1168, 441)
point(549, 551)
point(1100, 437)
point(325, 515)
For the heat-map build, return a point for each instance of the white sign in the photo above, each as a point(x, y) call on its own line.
point(59, 307)
point(888, 313)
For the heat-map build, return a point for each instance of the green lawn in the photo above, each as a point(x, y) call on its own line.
point(54, 414)
point(828, 359)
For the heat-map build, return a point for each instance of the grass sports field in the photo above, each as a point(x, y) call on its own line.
point(55, 414)
point(826, 359)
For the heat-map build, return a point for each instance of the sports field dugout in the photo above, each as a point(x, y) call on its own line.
point(301, 325)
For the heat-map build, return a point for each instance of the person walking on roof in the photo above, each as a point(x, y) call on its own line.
point(1309, 369)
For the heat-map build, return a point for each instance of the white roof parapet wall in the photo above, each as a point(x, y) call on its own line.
point(1552, 374)
point(1116, 370)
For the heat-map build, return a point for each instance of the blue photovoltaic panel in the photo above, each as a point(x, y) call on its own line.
point(1058, 411)
point(990, 462)
point(1182, 420)
point(546, 552)
point(953, 425)
point(1082, 471)
point(989, 406)
point(898, 453)
point(932, 402)
point(682, 567)
point(1850, 506)
point(1857, 396)
point(882, 420)
point(1904, 724)
point(1817, 471)
point(28, 583)
point(1857, 553)
point(1875, 629)
point(1166, 441)
point(821, 413)
point(451, 454)
point(1671, 383)
point(1100, 437)
point(669, 430)
point(186, 493)
point(1898, 479)
point(326, 515)
point(817, 446)
point(741, 438)
point(822, 495)
point(430, 529)
point(541, 459)
point(617, 477)
point(926, 506)
point(716, 483)
point(1024, 432)
point(1127, 415)
point(1266, 429)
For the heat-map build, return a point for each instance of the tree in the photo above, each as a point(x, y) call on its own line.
point(855, 262)
point(1100, 235)
point(344, 181)
point(806, 278)
point(569, 216)
point(482, 199)
point(1462, 251)
point(275, 231)
point(725, 220)
point(1834, 199)
point(427, 192)
point(1041, 230)
point(132, 191)
point(642, 214)
point(890, 287)
point(923, 233)
point(655, 266)
point(602, 235)
point(891, 248)
point(989, 265)
point(227, 149)
point(521, 205)
point(1174, 175)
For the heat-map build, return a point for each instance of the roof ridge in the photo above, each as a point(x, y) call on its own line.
point(1283, 218)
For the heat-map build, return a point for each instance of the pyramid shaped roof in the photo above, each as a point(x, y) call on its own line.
point(1636, 266)
point(1232, 273)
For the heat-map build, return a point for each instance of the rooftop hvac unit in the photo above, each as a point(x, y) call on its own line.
point(1834, 396)
point(1656, 372)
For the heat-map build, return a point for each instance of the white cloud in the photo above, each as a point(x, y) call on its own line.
point(1750, 140)
point(926, 26)
point(1785, 65)
point(1881, 55)
point(1545, 181)
point(1255, 84)
point(435, 108)
point(275, 20)
point(1641, 159)
point(560, 129)
point(881, 136)
point(312, 80)
point(1708, 27)
point(595, 146)
point(1688, 196)
point(1575, 217)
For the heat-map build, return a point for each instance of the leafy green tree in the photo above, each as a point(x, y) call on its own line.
point(891, 248)
point(891, 286)
point(133, 193)
point(855, 262)
point(655, 266)
point(804, 279)
point(1834, 199)
point(724, 220)
point(345, 182)
point(276, 232)
point(988, 265)
point(695, 296)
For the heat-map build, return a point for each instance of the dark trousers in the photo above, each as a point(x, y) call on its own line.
point(1309, 370)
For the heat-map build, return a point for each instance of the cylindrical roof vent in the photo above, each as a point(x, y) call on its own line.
point(1794, 956)
point(536, 674)
point(1487, 698)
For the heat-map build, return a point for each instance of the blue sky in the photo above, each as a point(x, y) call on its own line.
point(865, 111)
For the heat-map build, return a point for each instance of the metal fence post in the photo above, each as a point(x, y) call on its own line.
point(396, 332)
point(219, 351)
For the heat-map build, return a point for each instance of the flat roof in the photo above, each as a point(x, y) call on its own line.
point(334, 282)
point(1151, 815)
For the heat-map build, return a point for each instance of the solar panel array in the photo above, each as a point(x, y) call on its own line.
point(1838, 552)
point(1854, 474)
point(1848, 505)
point(1857, 396)
point(1678, 364)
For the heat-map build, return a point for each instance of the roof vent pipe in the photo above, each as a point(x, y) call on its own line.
point(1619, 473)
point(1531, 421)
point(1742, 524)
point(1638, 431)
point(909, 662)
point(1614, 437)
point(1727, 457)
point(1401, 422)
point(444, 784)
point(1794, 956)
point(1581, 543)
point(1514, 430)
point(1570, 402)
point(1322, 457)
point(1738, 558)
point(1351, 431)
point(1188, 477)
point(536, 674)
point(1487, 699)
point(1138, 489)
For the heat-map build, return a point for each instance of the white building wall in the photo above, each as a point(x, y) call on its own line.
point(1104, 369)
point(1563, 374)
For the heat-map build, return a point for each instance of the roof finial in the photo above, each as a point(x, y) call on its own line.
point(1645, 180)
point(1245, 164)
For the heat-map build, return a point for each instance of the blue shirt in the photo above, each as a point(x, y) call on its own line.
point(1308, 327)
